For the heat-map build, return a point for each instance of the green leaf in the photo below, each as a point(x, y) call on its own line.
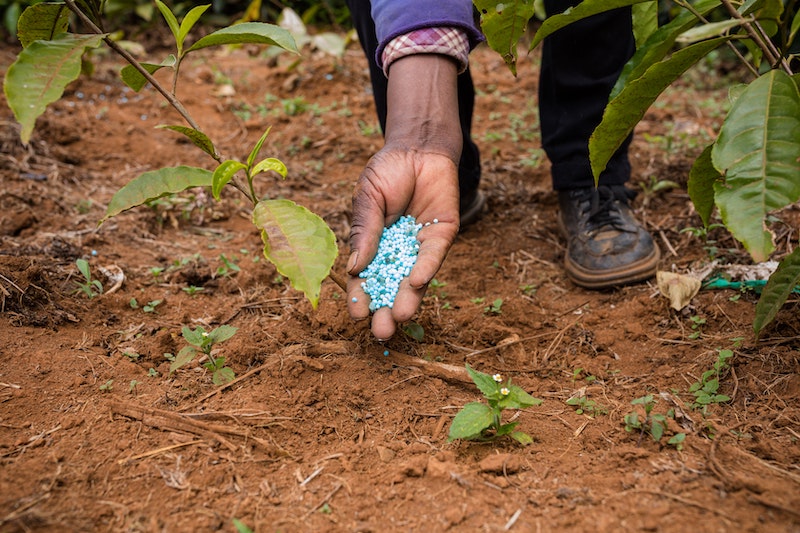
point(172, 22)
point(415, 331)
point(645, 21)
point(795, 26)
point(503, 24)
point(188, 23)
point(505, 429)
point(39, 75)
point(198, 138)
point(758, 151)
point(627, 109)
point(521, 399)
point(701, 185)
point(155, 184)
point(659, 44)
point(257, 148)
point(83, 268)
point(222, 333)
point(269, 163)
point(585, 9)
point(471, 421)
point(193, 336)
point(42, 22)
point(248, 32)
point(485, 383)
point(657, 431)
point(522, 438)
point(223, 375)
point(778, 288)
point(298, 242)
point(706, 31)
point(136, 80)
point(677, 438)
point(223, 174)
point(185, 356)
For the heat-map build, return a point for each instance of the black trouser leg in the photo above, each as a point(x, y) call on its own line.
point(580, 64)
point(469, 168)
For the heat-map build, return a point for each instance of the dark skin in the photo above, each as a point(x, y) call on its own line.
point(415, 173)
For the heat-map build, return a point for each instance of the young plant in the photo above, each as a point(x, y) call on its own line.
point(750, 169)
point(495, 308)
point(90, 287)
point(583, 405)
point(653, 424)
point(202, 342)
point(478, 421)
point(706, 389)
point(299, 243)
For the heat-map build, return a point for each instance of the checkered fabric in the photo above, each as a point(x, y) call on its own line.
point(447, 41)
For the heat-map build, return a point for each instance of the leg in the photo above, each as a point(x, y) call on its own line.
point(469, 168)
point(606, 246)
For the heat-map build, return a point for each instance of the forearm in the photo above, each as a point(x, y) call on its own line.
point(423, 106)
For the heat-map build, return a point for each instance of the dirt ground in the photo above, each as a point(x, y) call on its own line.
point(321, 431)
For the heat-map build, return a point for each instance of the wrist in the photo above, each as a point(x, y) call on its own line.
point(422, 106)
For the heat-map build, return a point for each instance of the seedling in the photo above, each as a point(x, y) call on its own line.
point(495, 308)
point(228, 267)
point(156, 273)
point(584, 405)
point(653, 424)
point(149, 307)
point(191, 290)
point(202, 342)
point(697, 322)
point(705, 389)
point(478, 421)
point(108, 386)
point(415, 331)
point(90, 287)
point(132, 386)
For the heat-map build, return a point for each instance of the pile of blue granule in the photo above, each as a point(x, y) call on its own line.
point(397, 253)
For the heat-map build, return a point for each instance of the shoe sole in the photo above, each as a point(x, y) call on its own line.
point(473, 211)
point(641, 270)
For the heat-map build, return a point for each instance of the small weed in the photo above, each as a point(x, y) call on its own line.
point(697, 323)
point(705, 389)
point(415, 331)
point(240, 526)
point(583, 405)
point(108, 386)
point(478, 421)
point(653, 424)
point(156, 272)
point(478, 301)
point(149, 307)
point(368, 130)
point(528, 290)
point(228, 266)
point(202, 342)
point(132, 386)
point(152, 372)
point(191, 290)
point(495, 308)
point(90, 287)
point(133, 356)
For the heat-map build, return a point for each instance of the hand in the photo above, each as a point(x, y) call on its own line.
point(416, 173)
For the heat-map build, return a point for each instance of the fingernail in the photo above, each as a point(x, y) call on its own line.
point(351, 262)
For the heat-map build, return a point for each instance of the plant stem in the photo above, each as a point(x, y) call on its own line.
point(773, 56)
point(130, 59)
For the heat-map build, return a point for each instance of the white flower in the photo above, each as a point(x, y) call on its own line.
point(205, 334)
point(497, 377)
point(504, 391)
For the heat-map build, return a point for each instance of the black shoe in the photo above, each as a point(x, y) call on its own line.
point(471, 207)
point(606, 246)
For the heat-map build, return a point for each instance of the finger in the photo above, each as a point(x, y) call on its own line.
point(357, 299)
point(367, 225)
point(435, 241)
point(383, 324)
point(407, 301)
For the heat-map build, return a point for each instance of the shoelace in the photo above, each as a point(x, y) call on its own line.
point(601, 205)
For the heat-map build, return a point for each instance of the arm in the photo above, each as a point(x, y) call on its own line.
point(414, 173)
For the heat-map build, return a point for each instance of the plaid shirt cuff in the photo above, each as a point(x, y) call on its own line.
point(447, 41)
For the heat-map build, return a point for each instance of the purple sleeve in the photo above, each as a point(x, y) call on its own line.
point(398, 17)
